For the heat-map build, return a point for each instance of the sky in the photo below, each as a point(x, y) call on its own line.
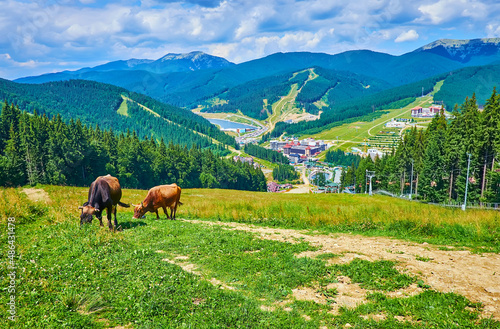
point(44, 36)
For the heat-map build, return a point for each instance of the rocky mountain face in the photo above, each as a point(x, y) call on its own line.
point(465, 50)
point(192, 61)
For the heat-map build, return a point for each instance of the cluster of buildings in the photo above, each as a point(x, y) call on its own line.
point(299, 151)
point(397, 123)
point(425, 112)
point(373, 153)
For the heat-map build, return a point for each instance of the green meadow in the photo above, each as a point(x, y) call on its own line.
point(187, 274)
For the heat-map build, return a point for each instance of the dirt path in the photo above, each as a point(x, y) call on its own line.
point(304, 188)
point(476, 277)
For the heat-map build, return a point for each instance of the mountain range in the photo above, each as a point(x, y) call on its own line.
point(350, 78)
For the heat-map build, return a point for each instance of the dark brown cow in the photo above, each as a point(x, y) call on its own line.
point(162, 196)
point(104, 193)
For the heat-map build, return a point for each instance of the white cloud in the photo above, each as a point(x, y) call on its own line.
point(493, 30)
point(88, 31)
point(410, 35)
point(444, 11)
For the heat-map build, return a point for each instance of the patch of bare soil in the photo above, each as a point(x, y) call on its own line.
point(35, 194)
point(476, 277)
point(191, 268)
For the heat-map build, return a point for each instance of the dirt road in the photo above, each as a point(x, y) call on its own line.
point(476, 277)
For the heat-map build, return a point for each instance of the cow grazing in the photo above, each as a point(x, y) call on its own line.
point(163, 196)
point(104, 193)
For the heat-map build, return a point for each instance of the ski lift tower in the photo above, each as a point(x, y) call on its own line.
point(370, 175)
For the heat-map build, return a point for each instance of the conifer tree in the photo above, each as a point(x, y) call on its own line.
point(12, 162)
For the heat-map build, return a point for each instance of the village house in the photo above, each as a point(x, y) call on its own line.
point(425, 112)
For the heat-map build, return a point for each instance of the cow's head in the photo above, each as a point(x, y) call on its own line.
point(88, 212)
point(139, 210)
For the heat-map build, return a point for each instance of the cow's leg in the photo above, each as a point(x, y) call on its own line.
point(157, 216)
point(114, 212)
point(109, 211)
point(172, 210)
point(166, 212)
point(100, 218)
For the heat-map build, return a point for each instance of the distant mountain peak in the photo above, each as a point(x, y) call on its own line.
point(193, 61)
point(463, 50)
point(194, 55)
point(455, 43)
point(135, 61)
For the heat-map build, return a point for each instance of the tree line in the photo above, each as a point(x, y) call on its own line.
point(37, 149)
point(285, 173)
point(340, 158)
point(266, 154)
point(438, 163)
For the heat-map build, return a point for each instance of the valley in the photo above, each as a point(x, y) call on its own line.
point(277, 225)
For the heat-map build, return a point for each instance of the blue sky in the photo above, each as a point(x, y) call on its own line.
point(43, 36)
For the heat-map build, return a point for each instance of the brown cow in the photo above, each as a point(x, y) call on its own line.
point(104, 193)
point(162, 196)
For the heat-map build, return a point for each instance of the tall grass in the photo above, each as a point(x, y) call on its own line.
point(370, 215)
point(375, 215)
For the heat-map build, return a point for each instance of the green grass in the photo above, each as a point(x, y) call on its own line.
point(423, 259)
point(88, 277)
point(123, 109)
point(259, 268)
point(85, 278)
point(352, 134)
point(240, 119)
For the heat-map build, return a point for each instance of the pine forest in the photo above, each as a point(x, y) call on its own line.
point(37, 149)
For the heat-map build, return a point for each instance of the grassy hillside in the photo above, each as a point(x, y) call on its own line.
point(188, 274)
point(96, 103)
point(373, 132)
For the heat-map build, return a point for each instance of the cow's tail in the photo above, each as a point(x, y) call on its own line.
point(180, 203)
point(123, 204)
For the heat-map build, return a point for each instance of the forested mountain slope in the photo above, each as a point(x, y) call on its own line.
point(369, 105)
point(478, 80)
point(35, 149)
point(317, 89)
point(115, 108)
point(188, 89)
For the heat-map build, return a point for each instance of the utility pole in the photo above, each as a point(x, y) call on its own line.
point(411, 179)
point(466, 182)
point(370, 174)
point(366, 178)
